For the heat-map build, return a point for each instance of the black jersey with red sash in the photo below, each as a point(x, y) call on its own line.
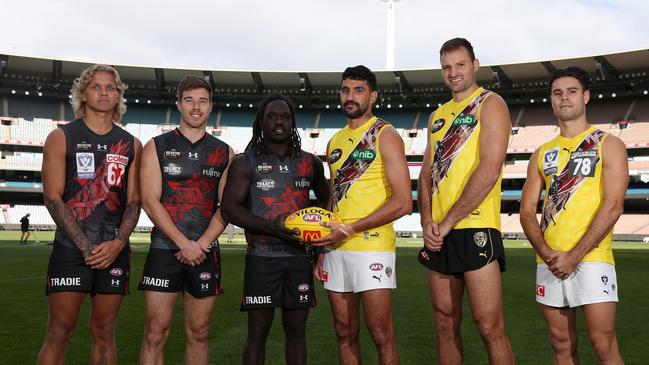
point(278, 185)
point(191, 173)
point(96, 180)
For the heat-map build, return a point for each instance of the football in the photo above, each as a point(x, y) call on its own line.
point(307, 222)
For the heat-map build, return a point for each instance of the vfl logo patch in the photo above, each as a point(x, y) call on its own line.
point(437, 125)
point(550, 161)
point(335, 155)
point(480, 239)
point(85, 165)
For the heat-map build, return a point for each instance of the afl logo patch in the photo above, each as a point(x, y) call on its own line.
point(376, 267)
point(437, 125)
point(303, 288)
point(335, 155)
point(205, 275)
point(116, 271)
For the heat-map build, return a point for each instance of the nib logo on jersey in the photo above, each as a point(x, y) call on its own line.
point(266, 184)
point(162, 283)
point(468, 120)
point(65, 282)
point(363, 154)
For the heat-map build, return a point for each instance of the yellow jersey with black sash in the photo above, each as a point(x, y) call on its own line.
point(455, 149)
point(360, 185)
point(572, 171)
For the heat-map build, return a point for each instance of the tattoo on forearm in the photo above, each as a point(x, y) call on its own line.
point(129, 221)
point(64, 219)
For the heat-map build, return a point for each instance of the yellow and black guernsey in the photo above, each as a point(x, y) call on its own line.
point(572, 170)
point(360, 186)
point(455, 149)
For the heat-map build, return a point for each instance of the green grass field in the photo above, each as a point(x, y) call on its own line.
point(24, 311)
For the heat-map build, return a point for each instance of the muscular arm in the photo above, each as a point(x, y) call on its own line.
point(53, 170)
point(217, 223)
point(234, 209)
point(530, 200)
point(424, 197)
point(494, 137)
point(615, 179)
point(321, 188)
point(151, 190)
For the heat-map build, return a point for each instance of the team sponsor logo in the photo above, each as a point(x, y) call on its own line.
point(303, 288)
point(115, 169)
point(172, 154)
point(468, 119)
point(102, 147)
point(266, 184)
point(325, 276)
point(551, 161)
point(264, 168)
point(118, 159)
point(65, 281)
point(335, 155)
point(211, 172)
point(363, 154)
point(162, 283)
point(192, 155)
point(480, 239)
point(283, 169)
point(83, 146)
point(540, 290)
point(116, 271)
point(261, 299)
point(437, 125)
point(367, 235)
point(376, 266)
point(301, 183)
point(388, 271)
point(205, 275)
point(604, 279)
point(172, 169)
point(582, 163)
point(311, 235)
point(114, 283)
point(85, 165)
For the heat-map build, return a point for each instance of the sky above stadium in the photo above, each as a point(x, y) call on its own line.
point(316, 35)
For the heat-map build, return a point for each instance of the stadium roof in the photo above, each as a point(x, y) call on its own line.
point(628, 71)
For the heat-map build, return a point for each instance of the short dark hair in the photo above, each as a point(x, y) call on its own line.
point(361, 73)
point(579, 73)
point(191, 82)
point(456, 43)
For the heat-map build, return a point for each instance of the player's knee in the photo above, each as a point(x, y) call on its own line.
point(198, 334)
point(103, 332)
point(562, 343)
point(155, 334)
point(294, 331)
point(381, 334)
point(346, 332)
point(491, 329)
point(446, 323)
point(602, 343)
point(59, 335)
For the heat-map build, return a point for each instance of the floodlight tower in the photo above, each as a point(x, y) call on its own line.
point(389, 36)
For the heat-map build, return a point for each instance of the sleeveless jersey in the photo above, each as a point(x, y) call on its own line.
point(572, 170)
point(278, 185)
point(191, 173)
point(455, 154)
point(96, 180)
point(360, 185)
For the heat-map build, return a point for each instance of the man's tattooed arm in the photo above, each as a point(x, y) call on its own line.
point(65, 220)
point(129, 221)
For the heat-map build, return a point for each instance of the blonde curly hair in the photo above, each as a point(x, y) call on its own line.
point(81, 83)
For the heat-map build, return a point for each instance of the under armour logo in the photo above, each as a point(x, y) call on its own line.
point(283, 168)
point(114, 282)
point(377, 278)
point(102, 147)
point(304, 298)
point(205, 286)
point(193, 155)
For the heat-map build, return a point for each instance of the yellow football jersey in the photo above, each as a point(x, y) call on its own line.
point(572, 170)
point(360, 184)
point(455, 154)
